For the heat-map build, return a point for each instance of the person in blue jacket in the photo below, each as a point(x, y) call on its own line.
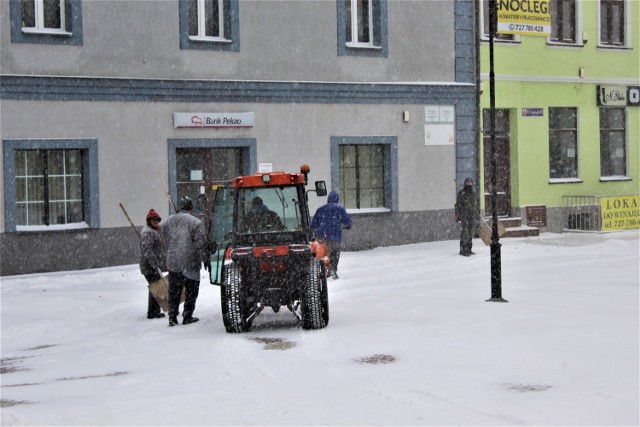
point(327, 225)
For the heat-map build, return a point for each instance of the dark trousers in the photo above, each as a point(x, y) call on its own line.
point(153, 308)
point(191, 287)
point(333, 249)
point(466, 235)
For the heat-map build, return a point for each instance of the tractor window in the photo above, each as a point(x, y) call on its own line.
point(269, 209)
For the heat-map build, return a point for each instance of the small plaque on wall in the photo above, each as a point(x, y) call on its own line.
point(537, 216)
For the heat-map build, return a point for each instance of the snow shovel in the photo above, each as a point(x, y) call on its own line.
point(485, 230)
point(160, 291)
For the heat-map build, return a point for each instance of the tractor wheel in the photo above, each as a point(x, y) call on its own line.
point(233, 300)
point(314, 302)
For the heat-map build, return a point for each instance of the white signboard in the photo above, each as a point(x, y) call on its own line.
point(213, 120)
point(265, 167)
point(439, 124)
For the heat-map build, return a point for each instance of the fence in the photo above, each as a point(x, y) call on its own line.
point(583, 213)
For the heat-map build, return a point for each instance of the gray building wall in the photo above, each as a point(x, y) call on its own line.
point(122, 85)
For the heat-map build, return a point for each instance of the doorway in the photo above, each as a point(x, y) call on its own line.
point(503, 166)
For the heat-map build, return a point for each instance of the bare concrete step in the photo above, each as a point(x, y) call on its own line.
point(511, 222)
point(514, 228)
point(521, 231)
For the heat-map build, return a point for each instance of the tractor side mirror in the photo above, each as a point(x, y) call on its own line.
point(321, 188)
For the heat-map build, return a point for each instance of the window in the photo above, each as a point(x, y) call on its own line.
point(613, 159)
point(51, 184)
point(486, 29)
point(362, 176)
point(563, 21)
point(46, 21)
point(48, 187)
point(209, 25)
point(612, 23)
point(364, 170)
point(362, 27)
point(563, 142)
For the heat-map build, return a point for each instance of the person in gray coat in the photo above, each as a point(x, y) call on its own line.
point(152, 259)
point(186, 249)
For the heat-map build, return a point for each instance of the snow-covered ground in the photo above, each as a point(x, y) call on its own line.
point(411, 341)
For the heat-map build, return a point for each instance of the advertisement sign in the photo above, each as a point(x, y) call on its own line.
point(619, 96)
point(213, 120)
point(620, 212)
point(528, 17)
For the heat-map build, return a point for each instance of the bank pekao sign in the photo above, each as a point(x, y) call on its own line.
point(213, 120)
point(619, 96)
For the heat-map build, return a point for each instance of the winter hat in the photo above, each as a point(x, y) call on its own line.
point(153, 215)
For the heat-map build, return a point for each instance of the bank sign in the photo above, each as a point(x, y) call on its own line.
point(528, 17)
point(620, 212)
point(213, 120)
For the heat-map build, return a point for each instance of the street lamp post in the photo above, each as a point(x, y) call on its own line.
point(496, 268)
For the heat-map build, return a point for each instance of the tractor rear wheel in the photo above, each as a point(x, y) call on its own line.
point(233, 300)
point(314, 302)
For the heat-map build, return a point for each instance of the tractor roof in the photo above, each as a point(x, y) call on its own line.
point(268, 179)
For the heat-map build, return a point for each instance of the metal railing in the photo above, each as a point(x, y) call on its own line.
point(582, 213)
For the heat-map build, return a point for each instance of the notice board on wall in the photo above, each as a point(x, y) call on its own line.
point(439, 124)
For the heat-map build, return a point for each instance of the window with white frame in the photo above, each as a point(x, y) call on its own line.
point(207, 20)
point(51, 184)
point(563, 21)
point(359, 23)
point(46, 21)
point(486, 29)
point(43, 15)
point(612, 23)
point(362, 28)
point(563, 142)
point(209, 24)
point(613, 135)
point(48, 187)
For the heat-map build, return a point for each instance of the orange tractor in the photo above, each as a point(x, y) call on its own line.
point(263, 252)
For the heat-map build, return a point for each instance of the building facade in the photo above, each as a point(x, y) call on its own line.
point(567, 116)
point(109, 105)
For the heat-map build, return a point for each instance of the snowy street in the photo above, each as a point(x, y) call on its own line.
point(410, 341)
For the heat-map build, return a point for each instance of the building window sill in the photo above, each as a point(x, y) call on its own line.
point(565, 181)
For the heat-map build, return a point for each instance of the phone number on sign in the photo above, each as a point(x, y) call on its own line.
point(525, 27)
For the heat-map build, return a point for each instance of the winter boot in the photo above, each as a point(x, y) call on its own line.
point(190, 319)
point(173, 320)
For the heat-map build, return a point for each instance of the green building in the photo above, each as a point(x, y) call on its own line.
point(567, 117)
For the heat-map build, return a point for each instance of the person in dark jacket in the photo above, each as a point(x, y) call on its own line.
point(467, 214)
point(327, 225)
point(152, 258)
point(186, 250)
point(260, 218)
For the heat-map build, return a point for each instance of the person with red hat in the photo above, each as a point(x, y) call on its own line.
point(152, 258)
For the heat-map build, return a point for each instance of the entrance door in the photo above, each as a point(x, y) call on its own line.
point(503, 167)
point(198, 170)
